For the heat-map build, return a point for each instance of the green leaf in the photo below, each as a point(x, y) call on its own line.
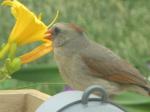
point(38, 73)
point(48, 88)
point(129, 98)
point(41, 77)
point(137, 108)
point(133, 102)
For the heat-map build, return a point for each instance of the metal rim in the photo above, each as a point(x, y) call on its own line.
point(91, 99)
point(85, 97)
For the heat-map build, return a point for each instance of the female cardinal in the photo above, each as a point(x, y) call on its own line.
point(82, 63)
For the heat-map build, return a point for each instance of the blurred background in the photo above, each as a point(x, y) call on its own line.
point(121, 25)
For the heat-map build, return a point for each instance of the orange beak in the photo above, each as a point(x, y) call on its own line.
point(48, 35)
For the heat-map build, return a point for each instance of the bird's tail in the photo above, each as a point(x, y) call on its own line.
point(146, 88)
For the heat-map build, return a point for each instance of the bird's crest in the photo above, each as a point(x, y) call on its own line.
point(76, 28)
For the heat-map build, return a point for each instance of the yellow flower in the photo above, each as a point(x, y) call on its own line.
point(36, 53)
point(27, 29)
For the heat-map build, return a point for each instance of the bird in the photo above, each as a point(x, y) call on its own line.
point(83, 62)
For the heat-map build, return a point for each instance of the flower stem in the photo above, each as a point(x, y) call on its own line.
point(12, 51)
point(4, 51)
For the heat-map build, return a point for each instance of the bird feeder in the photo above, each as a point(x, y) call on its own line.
point(77, 101)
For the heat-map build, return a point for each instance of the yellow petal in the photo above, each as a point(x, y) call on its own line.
point(36, 53)
point(28, 27)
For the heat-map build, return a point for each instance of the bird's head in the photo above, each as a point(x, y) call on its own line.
point(66, 34)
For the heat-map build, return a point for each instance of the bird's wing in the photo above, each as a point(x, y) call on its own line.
point(105, 64)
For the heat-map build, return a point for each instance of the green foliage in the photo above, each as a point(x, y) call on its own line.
point(121, 25)
point(133, 102)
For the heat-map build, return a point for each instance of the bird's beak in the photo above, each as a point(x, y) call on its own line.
point(52, 33)
point(48, 34)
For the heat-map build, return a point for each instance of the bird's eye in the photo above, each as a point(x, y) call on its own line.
point(56, 31)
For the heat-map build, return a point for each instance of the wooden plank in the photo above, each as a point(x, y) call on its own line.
point(21, 100)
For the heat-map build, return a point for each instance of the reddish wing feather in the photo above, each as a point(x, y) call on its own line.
point(114, 72)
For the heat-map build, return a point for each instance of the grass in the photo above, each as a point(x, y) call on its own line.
point(121, 25)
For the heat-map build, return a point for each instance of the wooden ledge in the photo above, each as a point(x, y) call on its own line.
point(27, 100)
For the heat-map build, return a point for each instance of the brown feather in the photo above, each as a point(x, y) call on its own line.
point(120, 72)
point(76, 28)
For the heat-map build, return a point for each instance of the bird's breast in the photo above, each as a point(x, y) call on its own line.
point(63, 60)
